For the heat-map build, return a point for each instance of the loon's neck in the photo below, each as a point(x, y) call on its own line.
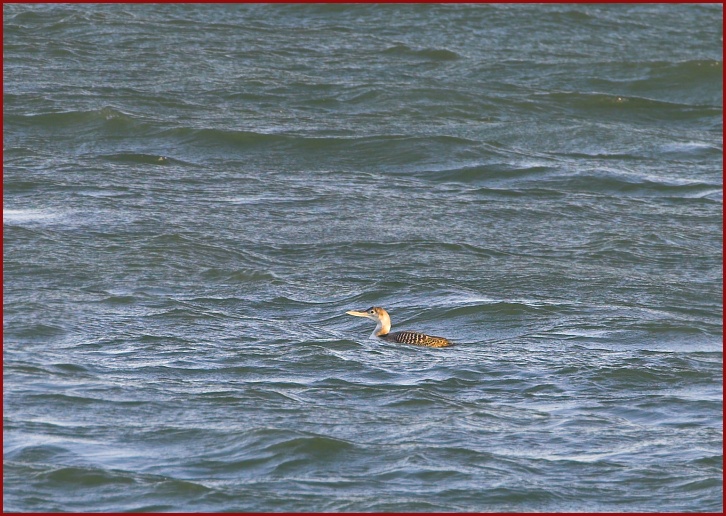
point(383, 327)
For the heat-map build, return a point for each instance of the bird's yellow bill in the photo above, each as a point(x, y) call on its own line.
point(357, 313)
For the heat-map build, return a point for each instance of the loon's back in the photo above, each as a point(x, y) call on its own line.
point(417, 339)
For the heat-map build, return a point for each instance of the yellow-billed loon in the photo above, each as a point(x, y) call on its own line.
point(383, 327)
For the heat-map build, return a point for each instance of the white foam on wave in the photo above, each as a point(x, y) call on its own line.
point(24, 216)
point(688, 147)
point(484, 300)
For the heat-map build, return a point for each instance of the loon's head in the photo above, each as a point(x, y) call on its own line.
point(375, 312)
point(378, 314)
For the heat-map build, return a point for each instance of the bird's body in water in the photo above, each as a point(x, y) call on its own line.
point(383, 327)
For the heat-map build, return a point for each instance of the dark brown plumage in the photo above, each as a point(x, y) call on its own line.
point(417, 339)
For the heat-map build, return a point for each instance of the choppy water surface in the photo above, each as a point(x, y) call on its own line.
point(195, 194)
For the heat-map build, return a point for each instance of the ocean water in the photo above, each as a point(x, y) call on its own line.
point(194, 195)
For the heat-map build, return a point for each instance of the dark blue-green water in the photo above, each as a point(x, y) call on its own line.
point(194, 195)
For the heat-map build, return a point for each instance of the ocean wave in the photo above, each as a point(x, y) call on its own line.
point(141, 158)
point(109, 117)
point(615, 183)
point(254, 139)
point(694, 83)
point(491, 173)
point(614, 105)
point(90, 487)
point(434, 54)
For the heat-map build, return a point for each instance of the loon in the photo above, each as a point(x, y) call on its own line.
point(383, 326)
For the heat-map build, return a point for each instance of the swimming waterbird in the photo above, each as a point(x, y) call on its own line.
point(383, 327)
